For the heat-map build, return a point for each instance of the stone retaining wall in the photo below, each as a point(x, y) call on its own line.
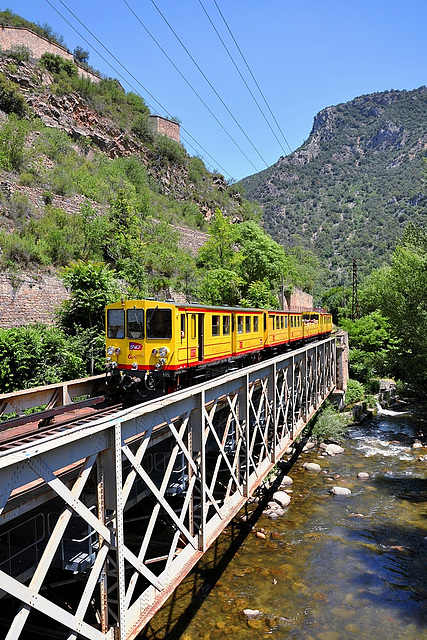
point(28, 299)
point(11, 37)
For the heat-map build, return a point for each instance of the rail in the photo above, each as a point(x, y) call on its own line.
point(165, 477)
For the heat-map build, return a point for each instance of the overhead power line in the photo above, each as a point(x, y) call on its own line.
point(241, 75)
point(207, 80)
point(252, 75)
point(188, 83)
point(131, 75)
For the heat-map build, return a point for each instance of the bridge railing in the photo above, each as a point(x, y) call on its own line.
point(51, 395)
point(157, 484)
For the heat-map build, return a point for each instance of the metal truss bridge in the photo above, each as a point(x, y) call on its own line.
point(99, 523)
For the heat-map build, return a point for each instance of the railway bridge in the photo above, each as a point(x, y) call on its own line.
point(100, 520)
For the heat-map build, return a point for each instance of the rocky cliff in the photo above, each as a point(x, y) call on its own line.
point(354, 184)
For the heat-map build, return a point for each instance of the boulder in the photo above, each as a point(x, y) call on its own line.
point(312, 466)
point(334, 449)
point(282, 498)
point(340, 491)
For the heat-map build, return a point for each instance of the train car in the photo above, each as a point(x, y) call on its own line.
point(151, 343)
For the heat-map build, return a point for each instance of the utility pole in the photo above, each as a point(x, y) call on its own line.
point(355, 300)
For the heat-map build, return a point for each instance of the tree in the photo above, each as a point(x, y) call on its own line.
point(399, 291)
point(81, 55)
point(92, 286)
point(219, 251)
point(220, 286)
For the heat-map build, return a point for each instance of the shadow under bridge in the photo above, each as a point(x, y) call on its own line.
point(153, 487)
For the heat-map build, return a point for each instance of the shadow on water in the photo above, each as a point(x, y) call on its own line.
point(177, 613)
point(391, 570)
point(413, 489)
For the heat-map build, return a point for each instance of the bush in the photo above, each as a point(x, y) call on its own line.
point(58, 65)
point(170, 150)
point(355, 392)
point(330, 425)
point(11, 98)
point(20, 53)
point(12, 138)
point(36, 355)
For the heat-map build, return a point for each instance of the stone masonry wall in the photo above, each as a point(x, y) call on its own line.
point(298, 301)
point(11, 37)
point(27, 299)
point(165, 127)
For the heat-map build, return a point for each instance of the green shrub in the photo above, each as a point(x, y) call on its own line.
point(58, 65)
point(143, 129)
point(355, 392)
point(170, 150)
point(13, 132)
point(20, 53)
point(11, 98)
point(330, 425)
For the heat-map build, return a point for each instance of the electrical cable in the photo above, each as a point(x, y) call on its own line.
point(132, 76)
point(252, 75)
point(207, 80)
point(241, 76)
point(188, 83)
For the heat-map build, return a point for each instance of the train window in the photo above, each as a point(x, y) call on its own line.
point(292, 322)
point(225, 325)
point(239, 324)
point(159, 323)
point(160, 461)
point(277, 322)
point(286, 322)
point(193, 326)
point(182, 325)
point(216, 325)
point(281, 322)
point(299, 321)
point(247, 324)
point(256, 323)
point(115, 323)
point(147, 463)
point(135, 323)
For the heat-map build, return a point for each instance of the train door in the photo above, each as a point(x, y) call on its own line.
point(201, 332)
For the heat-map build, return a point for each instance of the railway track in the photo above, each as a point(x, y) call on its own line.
point(28, 429)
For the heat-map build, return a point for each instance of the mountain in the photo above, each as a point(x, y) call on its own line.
point(350, 189)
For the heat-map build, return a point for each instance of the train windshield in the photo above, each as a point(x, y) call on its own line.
point(115, 323)
point(135, 323)
point(159, 323)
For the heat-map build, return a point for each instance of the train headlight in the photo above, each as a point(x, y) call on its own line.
point(117, 350)
point(163, 352)
point(110, 351)
point(154, 352)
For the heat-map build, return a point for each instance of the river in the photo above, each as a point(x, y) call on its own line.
point(333, 567)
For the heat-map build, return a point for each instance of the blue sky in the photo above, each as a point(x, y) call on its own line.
point(304, 54)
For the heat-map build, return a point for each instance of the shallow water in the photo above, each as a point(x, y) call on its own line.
point(334, 567)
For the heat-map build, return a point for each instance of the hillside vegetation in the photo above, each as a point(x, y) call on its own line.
point(354, 185)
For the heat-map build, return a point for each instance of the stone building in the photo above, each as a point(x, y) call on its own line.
point(165, 127)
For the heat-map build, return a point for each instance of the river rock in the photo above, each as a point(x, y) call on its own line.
point(334, 449)
point(417, 445)
point(251, 613)
point(273, 515)
point(312, 466)
point(286, 481)
point(282, 498)
point(363, 475)
point(340, 491)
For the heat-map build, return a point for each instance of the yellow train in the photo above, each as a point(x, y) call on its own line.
point(155, 344)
